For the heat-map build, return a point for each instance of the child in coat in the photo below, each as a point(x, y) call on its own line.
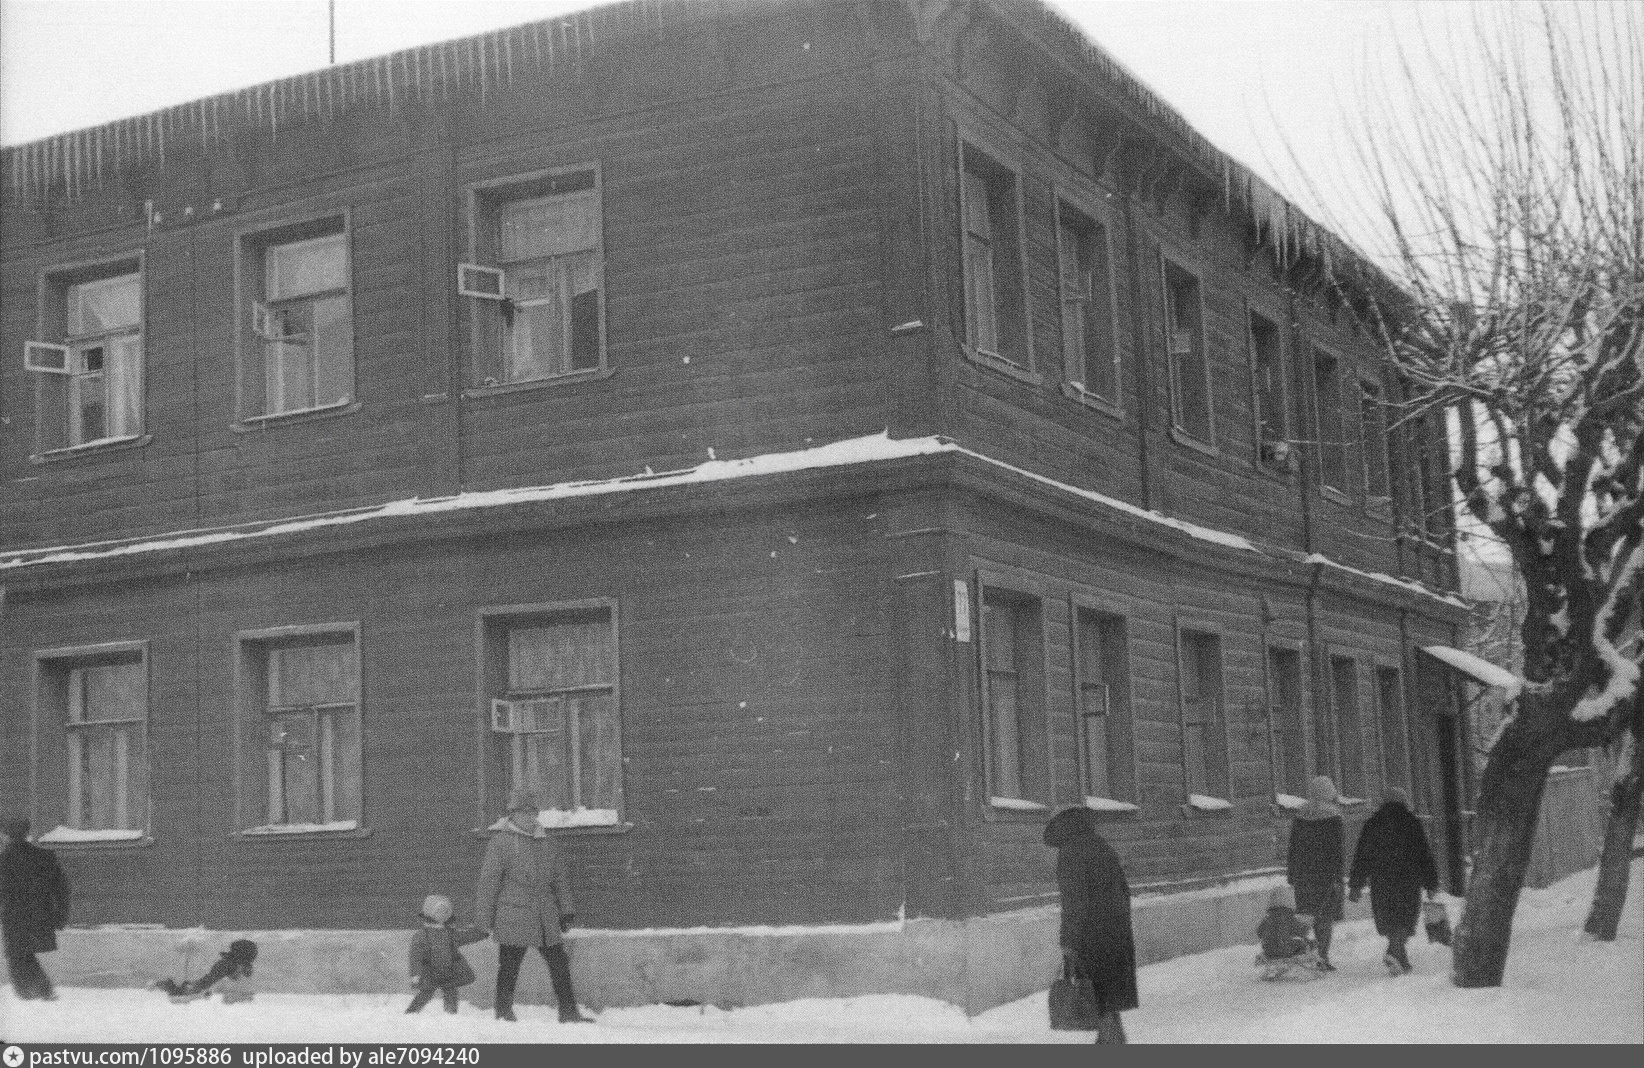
point(1285, 944)
point(231, 976)
point(436, 961)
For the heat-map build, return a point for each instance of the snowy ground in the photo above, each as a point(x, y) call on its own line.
point(1560, 987)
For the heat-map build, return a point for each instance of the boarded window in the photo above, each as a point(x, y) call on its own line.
point(556, 722)
point(1103, 682)
point(307, 730)
point(1373, 435)
point(1332, 433)
point(1089, 340)
point(300, 352)
point(1185, 346)
point(1267, 364)
point(103, 702)
point(1344, 698)
point(1394, 746)
point(995, 299)
point(1013, 688)
point(1284, 693)
point(90, 389)
point(540, 314)
point(1204, 737)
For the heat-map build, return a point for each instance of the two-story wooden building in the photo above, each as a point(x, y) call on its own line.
point(809, 442)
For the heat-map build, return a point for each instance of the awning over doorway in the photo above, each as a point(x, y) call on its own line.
point(1478, 668)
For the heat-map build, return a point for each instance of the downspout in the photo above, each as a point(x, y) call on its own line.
point(1139, 332)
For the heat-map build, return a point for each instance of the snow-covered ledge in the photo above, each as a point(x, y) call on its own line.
point(60, 835)
point(1108, 804)
point(1016, 804)
point(274, 829)
point(1284, 804)
point(1205, 803)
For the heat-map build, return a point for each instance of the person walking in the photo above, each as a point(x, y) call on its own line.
point(1316, 860)
point(34, 906)
point(1393, 859)
point(524, 900)
point(1095, 933)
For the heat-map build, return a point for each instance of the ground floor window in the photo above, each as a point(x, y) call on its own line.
point(1204, 734)
point(1102, 680)
point(94, 704)
point(1013, 688)
point(1284, 697)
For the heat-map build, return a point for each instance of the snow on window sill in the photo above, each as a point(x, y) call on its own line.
point(492, 388)
point(1350, 802)
point(1288, 802)
point(1016, 804)
point(577, 819)
point(1206, 803)
point(253, 423)
point(1076, 391)
point(336, 828)
point(1108, 804)
point(61, 835)
point(90, 448)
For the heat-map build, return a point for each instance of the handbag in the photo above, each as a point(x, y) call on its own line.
point(1436, 919)
point(1072, 1000)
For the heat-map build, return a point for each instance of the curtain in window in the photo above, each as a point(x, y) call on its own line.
point(108, 787)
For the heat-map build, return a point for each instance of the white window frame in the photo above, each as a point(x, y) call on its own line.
point(68, 359)
point(1077, 308)
point(1274, 446)
point(1184, 630)
point(979, 265)
point(267, 315)
point(1120, 752)
point(69, 664)
point(1197, 350)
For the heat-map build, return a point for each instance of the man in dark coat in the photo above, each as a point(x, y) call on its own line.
point(1096, 930)
point(1393, 858)
point(1316, 860)
point(34, 906)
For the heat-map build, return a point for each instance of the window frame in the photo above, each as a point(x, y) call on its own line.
point(1076, 378)
point(494, 622)
point(1124, 760)
point(251, 247)
point(1276, 764)
point(250, 650)
point(1168, 261)
point(1187, 627)
point(1339, 368)
point(1381, 668)
point(1373, 398)
point(1031, 671)
point(51, 321)
point(483, 201)
point(1267, 454)
point(47, 715)
point(1353, 780)
point(967, 141)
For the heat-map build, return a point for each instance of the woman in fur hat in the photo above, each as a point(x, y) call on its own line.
point(1095, 929)
point(524, 900)
point(1393, 858)
point(1316, 862)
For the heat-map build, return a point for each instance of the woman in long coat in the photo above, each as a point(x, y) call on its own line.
point(1393, 858)
point(1095, 916)
point(34, 906)
point(524, 900)
point(1316, 861)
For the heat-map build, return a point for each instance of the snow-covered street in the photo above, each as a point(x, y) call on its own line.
point(1561, 987)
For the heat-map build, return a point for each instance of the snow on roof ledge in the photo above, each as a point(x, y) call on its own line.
point(1477, 668)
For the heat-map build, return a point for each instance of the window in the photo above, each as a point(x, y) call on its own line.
point(300, 748)
point(98, 700)
point(555, 722)
point(1103, 682)
point(1013, 692)
point(1184, 344)
point(90, 380)
point(1390, 704)
point(1344, 698)
point(1433, 477)
point(1272, 421)
point(1284, 695)
point(1090, 348)
point(995, 297)
point(1332, 435)
point(300, 353)
point(1204, 738)
point(538, 281)
point(1373, 432)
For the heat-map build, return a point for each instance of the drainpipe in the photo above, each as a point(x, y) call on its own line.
point(1139, 332)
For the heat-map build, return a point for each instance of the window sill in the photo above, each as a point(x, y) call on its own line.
point(1109, 807)
point(578, 832)
point(92, 448)
point(1182, 437)
point(256, 834)
point(1198, 806)
point(1093, 401)
point(113, 844)
point(255, 423)
point(1014, 810)
point(593, 374)
point(1005, 367)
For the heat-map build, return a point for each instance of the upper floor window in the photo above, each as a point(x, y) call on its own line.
point(1272, 418)
point(1018, 767)
point(301, 354)
point(1102, 678)
point(90, 379)
point(996, 322)
point(1089, 341)
point(556, 725)
point(1331, 420)
point(538, 278)
point(1432, 476)
point(1374, 434)
point(95, 707)
point(1284, 699)
point(1185, 346)
point(300, 724)
point(1204, 735)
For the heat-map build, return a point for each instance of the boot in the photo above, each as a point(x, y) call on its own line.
point(507, 1014)
point(574, 1015)
point(1391, 963)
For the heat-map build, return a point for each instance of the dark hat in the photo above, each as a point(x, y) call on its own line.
point(1069, 825)
point(15, 827)
point(241, 951)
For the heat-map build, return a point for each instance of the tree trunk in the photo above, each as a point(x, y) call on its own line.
point(1505, 835)
point(1615, 863)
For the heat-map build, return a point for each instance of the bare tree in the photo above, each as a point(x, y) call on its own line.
point(1512, 203)
point(1615, 860)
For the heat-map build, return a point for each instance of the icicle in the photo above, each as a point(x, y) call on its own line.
point(508, 58)
point(536, 42)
